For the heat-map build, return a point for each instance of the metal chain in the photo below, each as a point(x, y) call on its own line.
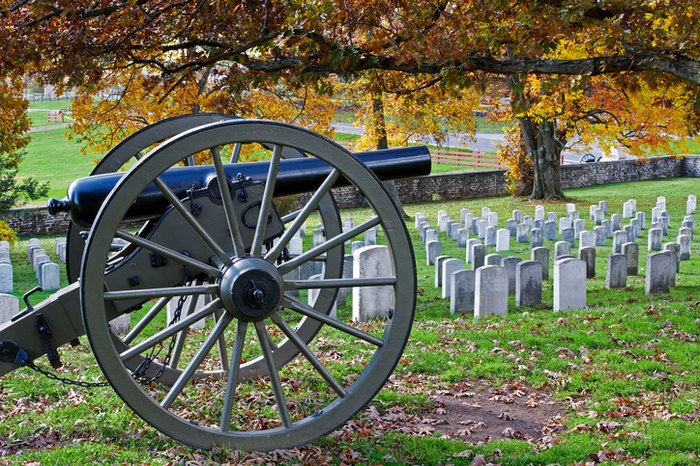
point(64, 380)
point(142, 368)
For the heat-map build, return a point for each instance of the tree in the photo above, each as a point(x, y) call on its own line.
point(13, 138)
point(76, 42)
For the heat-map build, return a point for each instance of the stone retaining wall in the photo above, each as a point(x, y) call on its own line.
point(37, 221)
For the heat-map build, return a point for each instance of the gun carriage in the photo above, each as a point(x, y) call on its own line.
point(212, 241)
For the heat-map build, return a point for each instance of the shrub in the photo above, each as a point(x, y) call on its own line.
point(7, 233)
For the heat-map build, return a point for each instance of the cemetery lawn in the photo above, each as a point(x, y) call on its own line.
point(616, 383)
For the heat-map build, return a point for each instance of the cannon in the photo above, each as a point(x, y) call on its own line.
point(234, 327)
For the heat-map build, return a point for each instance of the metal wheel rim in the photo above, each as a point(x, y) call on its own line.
point(337, 412)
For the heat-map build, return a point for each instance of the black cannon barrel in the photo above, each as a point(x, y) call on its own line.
point(86, 195)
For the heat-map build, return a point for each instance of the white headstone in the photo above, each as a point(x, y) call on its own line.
point(528, 283)
point(502, 240)
point(449, 266)
point(6, 277)
point(569, 284)
point(493, 219)
point(660, 272)
point(372, 302)
point(491, 291)
point(9, 307)
point(50, 276)
point(432, 250)
point(462, 286)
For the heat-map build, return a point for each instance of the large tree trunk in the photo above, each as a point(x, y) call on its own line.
point(545, 152)
point(382, 142)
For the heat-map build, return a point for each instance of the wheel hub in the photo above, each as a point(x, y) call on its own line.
point(251, 289)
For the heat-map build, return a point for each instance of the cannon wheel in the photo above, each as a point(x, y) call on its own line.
point(290, 405)
point(132, 147)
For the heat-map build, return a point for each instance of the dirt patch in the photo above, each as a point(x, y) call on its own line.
point(479, 412)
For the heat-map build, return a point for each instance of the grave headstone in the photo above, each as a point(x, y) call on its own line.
point(449, 266)
point(9, 307)
point(600, 236)
point(481, 228)
point(550, 231)
point(430, 235)
point(598, 216)
point(314, 293)
point(552, 217)
point(418, 218)
point(619, 238)
point(607, 224)
point(355, 245)
point(636, 227)
point(5, 244)
point(603, 206)
point(491, 236)
point(470, 244)
point(485, 211)
point(561, 248)
point(684, 242)
point(631, 252)
point(569, 284)
point(491, 291)
point(479, 252)
point(50, 276)
point(629, 231)
point(432, 250)
point(452, 227)
point(462, 213)
point(523, 233)
point(539, 212)
point(493, 259)
point(517, 216)
point(660, 268)
point(31, 249)
point(616, 271)
point(685, 231)
point(319, 237)
point(462, 286)
point(642, 218)
point(6, 278)
point(586, 239)
point(370, 237)
point(616, 220)
point(468, 220)
point(529, 221)
point(59, 242)
point(462, 237)
point(691, 204)
point(347, 273)
point(568, 235)
point(512, 226)
point(509, 263)
point(493, 219)
point(655, 238)
point(536, 238)
point(665, 220)
point(38, 261)
point(541, 255)
point(579, 226)
point(539, 224)
point(528, 283)
point(591, 212)
point(587, 255)
point(675, 248)
point(573, 216)
point(5, 255)
point(372, 302)
point(570, 207)
point(502, 240)
point(439, 260)
point(564, 223)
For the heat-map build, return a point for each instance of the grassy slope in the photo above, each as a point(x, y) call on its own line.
point(627, 359)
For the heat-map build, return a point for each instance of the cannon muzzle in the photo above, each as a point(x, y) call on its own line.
point(295, 176)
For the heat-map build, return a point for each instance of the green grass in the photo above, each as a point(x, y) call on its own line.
point(51, 105)
point(42, 119)
point(51, 157)
point(626, 359)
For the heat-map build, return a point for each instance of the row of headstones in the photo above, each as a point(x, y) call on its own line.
point(624, 260)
